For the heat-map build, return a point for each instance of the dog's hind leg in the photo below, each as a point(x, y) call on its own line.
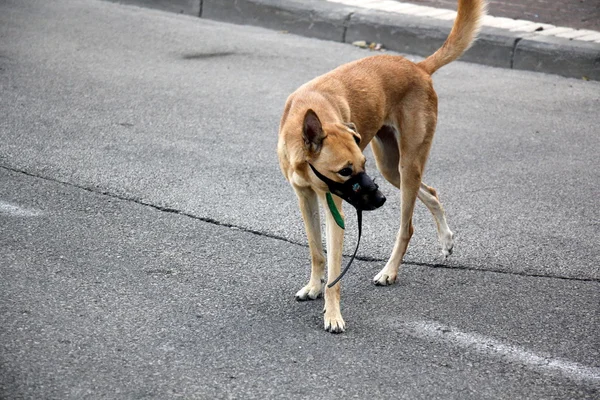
point(417, 126)
point(309, 206)
point(428, 196)
point(387, 156)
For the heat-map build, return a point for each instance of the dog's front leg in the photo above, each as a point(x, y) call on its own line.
point(335, 240)
point(309, 206)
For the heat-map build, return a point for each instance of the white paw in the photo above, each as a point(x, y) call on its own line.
point(310, 292)
point(334, 322)
point(447, 242)
point(385, 277)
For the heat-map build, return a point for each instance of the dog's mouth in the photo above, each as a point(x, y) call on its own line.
point(371, 201)
point(360, 190)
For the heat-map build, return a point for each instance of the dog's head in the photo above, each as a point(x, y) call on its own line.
point(337, 161)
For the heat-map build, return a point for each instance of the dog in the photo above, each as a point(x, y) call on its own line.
point(389, 102)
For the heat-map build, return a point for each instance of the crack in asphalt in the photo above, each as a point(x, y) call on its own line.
point(346, 20)
point(284, 239)
point(513, 51)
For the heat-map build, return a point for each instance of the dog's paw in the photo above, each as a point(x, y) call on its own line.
point(385, 277)
point(447, 242)
point(310, 292)
point(334, 322)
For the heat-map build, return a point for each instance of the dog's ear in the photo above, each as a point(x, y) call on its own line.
point(352, 127)
point(312, 131)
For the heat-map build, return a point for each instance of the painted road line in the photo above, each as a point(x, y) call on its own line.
point(512, 25)
point(575, 34)
point(528, 26)
point(491, 347)
point(11, 209)
point(590, 37)
point(555, 31)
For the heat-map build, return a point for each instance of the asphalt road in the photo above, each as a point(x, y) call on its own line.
point(150, 247)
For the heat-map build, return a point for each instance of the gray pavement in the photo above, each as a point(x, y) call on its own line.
point(108, 299)
point(151, 248)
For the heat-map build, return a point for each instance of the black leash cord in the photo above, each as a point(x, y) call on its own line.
point(359, 219)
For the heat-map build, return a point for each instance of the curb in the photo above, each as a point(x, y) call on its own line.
point(411, 34)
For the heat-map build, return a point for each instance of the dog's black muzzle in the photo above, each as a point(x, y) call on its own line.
point(360, 190)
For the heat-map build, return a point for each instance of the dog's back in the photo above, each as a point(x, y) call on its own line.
point(364, 90)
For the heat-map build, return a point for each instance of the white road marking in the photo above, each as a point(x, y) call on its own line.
point(492, 347)
point(576, 34)
point(590, 37)
point(513, 25)
point(11, 209)
point(528, 26)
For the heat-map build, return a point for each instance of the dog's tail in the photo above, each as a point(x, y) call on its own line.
point(461, 37)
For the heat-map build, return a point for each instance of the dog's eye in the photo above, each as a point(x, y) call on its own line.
point(345, 171)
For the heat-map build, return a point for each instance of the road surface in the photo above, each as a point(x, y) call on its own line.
point(151, 248)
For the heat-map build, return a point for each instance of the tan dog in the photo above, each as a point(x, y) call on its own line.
point(384, 100)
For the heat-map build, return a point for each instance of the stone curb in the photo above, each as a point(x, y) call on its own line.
point(398, 32)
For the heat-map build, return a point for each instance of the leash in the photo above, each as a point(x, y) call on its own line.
point(362, 193)
point(340, 222)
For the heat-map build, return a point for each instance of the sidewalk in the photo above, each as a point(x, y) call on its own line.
point(537, 40)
